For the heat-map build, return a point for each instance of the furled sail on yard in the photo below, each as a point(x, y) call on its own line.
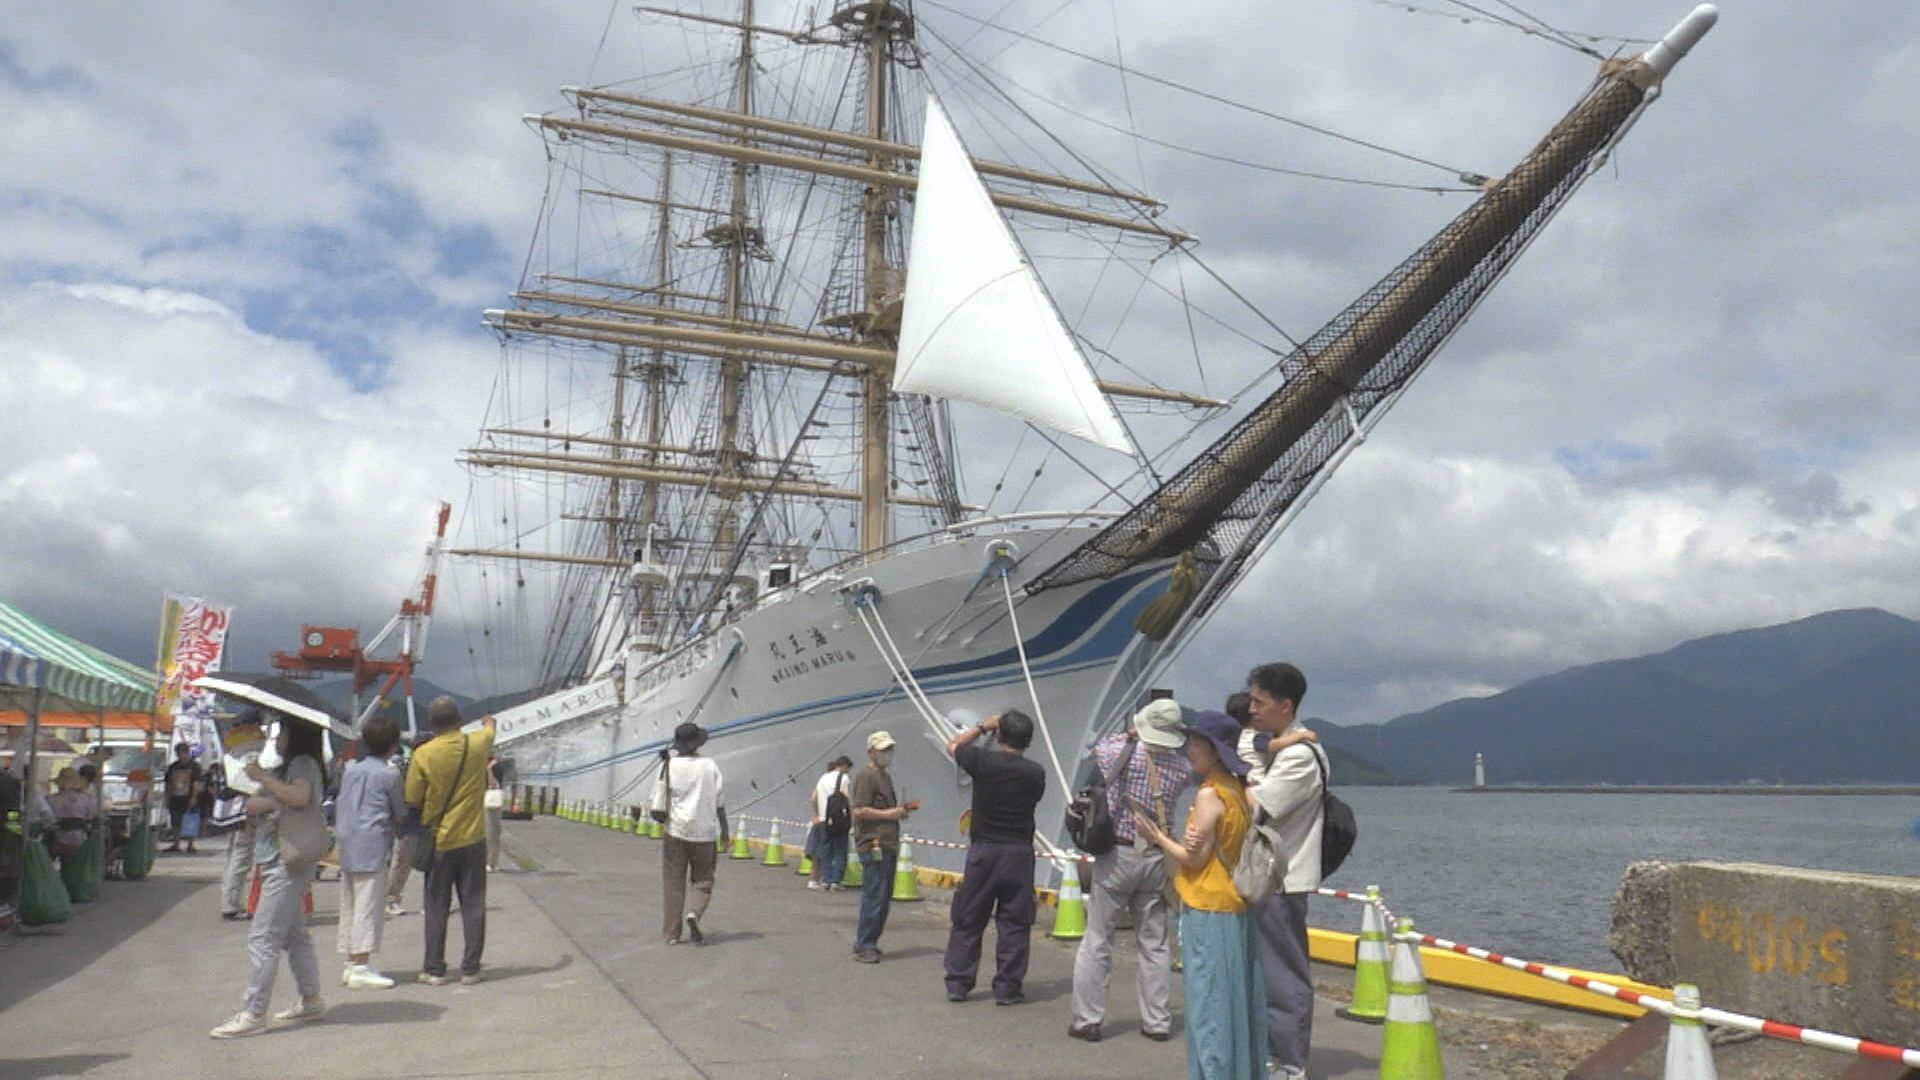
point(977, 324)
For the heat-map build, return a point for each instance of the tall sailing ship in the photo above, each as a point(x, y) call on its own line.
point(758, 321)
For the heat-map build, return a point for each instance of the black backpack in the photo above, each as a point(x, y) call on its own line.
point(1338, 829)
point(1089, 817)
point(838, 813)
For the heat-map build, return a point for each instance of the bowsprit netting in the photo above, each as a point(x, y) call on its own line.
point(1225, 501)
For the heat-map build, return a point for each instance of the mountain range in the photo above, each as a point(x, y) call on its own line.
point(1829, 699)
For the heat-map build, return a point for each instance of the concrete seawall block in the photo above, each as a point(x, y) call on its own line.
point(1811, 947)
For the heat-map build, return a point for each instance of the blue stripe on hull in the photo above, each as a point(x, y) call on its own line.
point(1100, 648)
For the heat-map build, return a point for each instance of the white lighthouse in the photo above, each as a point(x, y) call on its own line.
point(1479, 772)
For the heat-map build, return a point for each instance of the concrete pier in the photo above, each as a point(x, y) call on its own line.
point(579, 985)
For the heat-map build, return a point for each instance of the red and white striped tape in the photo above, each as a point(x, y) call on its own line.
point(1773, 1029)
point(920, 840)
point(1386, 914)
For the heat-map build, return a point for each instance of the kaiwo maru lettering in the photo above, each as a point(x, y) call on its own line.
point(829, 658)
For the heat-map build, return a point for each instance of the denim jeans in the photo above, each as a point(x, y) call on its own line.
point(876, 897)
point(832, 858)
point(280, 926)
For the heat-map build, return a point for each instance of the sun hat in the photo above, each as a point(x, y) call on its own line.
point(1219, 729)
point(689, 736)
point(1159, 724)
point(879, 740)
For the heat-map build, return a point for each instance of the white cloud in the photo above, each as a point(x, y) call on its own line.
point(154, 441)
point(213, 212)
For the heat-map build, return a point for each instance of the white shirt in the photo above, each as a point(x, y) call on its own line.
point(695, 782)
point(1287, 786)
point(823, 789)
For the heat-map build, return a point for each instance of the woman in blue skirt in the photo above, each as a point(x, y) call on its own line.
point(1226, 999)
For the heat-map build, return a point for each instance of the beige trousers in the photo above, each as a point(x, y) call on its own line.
point(363, 911)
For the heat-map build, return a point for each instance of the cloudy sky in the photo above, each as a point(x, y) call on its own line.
point(243, 249)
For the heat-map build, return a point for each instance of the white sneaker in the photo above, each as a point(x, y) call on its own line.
point(362, 977)
point(310, 1008)
point(394, 910)
point(240, 1025)
point(813, 885)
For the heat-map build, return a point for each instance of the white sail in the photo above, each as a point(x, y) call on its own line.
point(977, 324)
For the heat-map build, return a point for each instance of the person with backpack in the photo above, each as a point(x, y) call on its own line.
point(832, 821)
point(1286, 786)
point(1226, 1023)
point(1142, 764)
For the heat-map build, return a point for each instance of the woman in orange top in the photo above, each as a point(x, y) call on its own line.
point(1226, 999)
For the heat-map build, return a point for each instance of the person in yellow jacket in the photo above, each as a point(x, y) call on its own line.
point(1226, 1000)
point(447, 784)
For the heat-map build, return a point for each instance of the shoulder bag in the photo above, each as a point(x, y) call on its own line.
point(661, 812)
point(425, 842)
point(302, 831)
point(1089, 815)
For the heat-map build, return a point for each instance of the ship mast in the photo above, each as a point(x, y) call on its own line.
point(881, 22)
point(652, 327)
point(735, 236)
point(655, 375)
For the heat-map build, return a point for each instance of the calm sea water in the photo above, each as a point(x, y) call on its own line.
point(1534, 875)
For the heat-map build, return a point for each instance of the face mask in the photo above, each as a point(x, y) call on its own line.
point(883, 758)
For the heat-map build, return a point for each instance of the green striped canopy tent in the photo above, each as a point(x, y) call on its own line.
point(42, 668)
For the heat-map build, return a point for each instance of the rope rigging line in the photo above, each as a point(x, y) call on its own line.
point(1545, 32)
point(939, 725)
point(1228, 159)
point(1208, 95)
point(1026, 672)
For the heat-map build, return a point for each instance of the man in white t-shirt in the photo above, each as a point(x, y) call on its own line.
point(687, 799)
point(827, 832)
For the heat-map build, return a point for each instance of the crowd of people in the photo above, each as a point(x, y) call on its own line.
point(431, 813)
point(1247, 974)
point(1247, 979)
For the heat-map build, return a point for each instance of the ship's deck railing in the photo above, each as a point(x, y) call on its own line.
point(812, 581)
point(997, 523)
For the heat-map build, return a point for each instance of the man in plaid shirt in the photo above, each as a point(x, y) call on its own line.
point(1143, 763)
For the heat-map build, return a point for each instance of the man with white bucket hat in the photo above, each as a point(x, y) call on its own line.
point(1141, 765)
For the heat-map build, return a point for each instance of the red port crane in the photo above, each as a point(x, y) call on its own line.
point(389, 658)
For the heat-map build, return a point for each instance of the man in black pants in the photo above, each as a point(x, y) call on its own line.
point(999, 874)
point(182, 784)
point(446, 783)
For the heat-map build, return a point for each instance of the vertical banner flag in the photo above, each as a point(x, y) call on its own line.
point(193, 638)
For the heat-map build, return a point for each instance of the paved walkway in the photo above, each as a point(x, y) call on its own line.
point(578, 985)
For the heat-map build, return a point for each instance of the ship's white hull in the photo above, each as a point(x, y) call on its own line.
point(799, 680)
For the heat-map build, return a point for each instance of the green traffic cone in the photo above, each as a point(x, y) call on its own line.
point(906, 878)
point(1371, 957)
point(1409, 1049)
point(776, 855)
point(1070, 917)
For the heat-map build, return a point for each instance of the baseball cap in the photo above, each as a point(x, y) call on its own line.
point(879, 740)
